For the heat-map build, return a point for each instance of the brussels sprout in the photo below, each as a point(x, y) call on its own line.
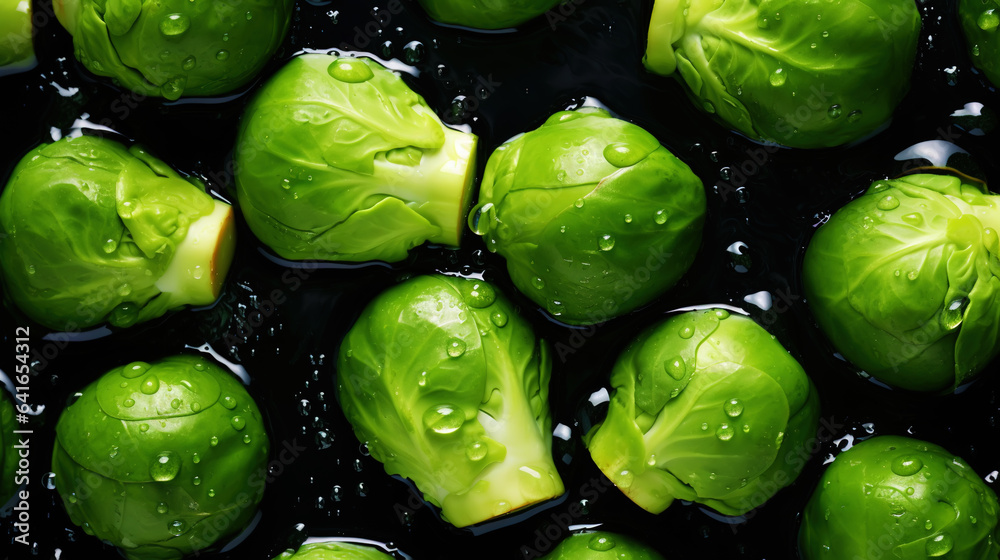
point(897, 497)
point(170, 48)
point(801, 74)
point(486, 14)
point(593, 215)
point(91, 232)
point(905, 281)
point(17, 53)
point(337, 159)
point(448, 387)
point(980, 21)
point(334, 551)
point(601, 545)
point(8, 455)
point(707, 407)
point(161, 459)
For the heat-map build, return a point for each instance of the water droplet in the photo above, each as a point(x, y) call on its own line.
point(476, 451)
point(128, 403)
point(413, 52)
point(175, 404)
point(162, 508)
point(601, 543)
point(177, 527)
point(423, 379)
point(143, 428)
point(676, 367)
point(110, 245)
point(444, 419)
point(238, 423)
point(625, 479)
point(222, 55)
point(834, 111)
point(150, 385)
point(173, 88)
point(350, 70)
point(907, 465)
point(198, 366)
point(888, 202)
point(195, 458)
point(953, 315)
point(229, 402)
point(578, 203)
point(480, 295)
point(606, 242)
point(538, 283)
point(499, 318)
point(721, 314)
point(124, 315)
point(988, 20)
point(250, 16)
point(72, 498)
point(929, 525)
point(704, 426)
point(725, 432)
point(455, 347)
point(778, 78)
point(196, 481)
point(660, 217)
point(628, 218)
point(686, 333)
point(165, 467)
point(779, 438)
point(854, 116)
point(49, 481)
point(733, 407)
point(135, 369)
point(621, 154)
point(189, 63)
point(939, 545)
point(247, 438)
point(211, 492)
point(174, 24)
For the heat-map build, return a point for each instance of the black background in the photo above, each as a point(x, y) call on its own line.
point(283, 321)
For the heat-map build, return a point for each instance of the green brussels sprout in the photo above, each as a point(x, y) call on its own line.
point(980, 21)
point(17, 52)
point(707, 407)
point(448, 387)
point(905, 281)
point(91, 232)
point(161, 459)
point(333, 550)
point(486, 14)
point(170, 48)
point(593, 215)
point(601, 545)
point(896, 497)
point(8, 454)
point(801, 74)
point(337, 159)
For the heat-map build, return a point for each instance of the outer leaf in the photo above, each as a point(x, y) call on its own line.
point(486, 14)
point(334, 551)
point(601, 545)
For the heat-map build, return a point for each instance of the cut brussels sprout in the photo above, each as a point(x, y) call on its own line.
point(92, 232)
point(339, 160)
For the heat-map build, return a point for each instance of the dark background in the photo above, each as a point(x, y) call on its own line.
point(500, 84)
